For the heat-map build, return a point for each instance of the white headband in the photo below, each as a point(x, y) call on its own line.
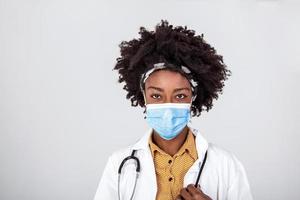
point(162, 65)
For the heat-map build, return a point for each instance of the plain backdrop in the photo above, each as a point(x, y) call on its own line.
point(62, 111)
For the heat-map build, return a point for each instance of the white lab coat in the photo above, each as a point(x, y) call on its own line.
point(223, 176)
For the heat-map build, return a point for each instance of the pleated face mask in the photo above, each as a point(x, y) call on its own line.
point(168, 119)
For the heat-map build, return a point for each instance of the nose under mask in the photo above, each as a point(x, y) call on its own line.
point(168, 119)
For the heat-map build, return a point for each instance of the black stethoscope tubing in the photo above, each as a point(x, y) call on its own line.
point(132, 156)
point(138, 169)
point(201, 169)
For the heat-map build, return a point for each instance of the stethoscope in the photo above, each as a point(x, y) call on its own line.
point(138, 169)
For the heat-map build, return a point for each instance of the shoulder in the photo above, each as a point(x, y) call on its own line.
point(222, 156)
point(119, 154)
point(231, 172)
point(113, 162)
point(140, 145)
point(219, 152)
point(226, 163)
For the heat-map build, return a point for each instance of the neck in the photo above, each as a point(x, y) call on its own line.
point(171, 147)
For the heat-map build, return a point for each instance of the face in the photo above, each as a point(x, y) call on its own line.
point(165, 86)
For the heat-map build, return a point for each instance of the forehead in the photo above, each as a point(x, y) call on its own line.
point(167, 78)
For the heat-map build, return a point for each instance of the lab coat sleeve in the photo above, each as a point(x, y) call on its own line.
point(107, 187)
point(239, 188)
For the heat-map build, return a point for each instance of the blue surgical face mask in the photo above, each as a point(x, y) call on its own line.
point(168, 119)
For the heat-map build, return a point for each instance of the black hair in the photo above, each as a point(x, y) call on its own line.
point(176, 46)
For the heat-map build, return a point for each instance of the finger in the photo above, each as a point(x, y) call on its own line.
point(185, 194)
point(193, 190)
point(178, 198)
point(196, 191)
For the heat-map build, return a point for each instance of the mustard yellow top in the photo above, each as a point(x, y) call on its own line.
point(170, 171)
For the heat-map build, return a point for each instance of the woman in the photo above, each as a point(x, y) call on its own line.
point(174, 74)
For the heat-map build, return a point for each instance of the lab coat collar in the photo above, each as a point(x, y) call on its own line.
point(201, 142)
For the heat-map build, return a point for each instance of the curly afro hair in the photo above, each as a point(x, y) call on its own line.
point(177, 46)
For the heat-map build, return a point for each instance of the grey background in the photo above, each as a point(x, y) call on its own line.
point(62, 112)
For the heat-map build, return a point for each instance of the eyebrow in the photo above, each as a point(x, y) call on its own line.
point(161, 90)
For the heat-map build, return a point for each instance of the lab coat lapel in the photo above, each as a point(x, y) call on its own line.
point(146, 186)
point(201, 146)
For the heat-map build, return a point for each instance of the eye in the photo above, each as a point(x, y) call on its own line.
point(181, 96)
point(155, 96)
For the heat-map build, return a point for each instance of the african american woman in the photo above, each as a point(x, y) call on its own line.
point(174, 75)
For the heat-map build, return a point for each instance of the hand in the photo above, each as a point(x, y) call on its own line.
point(192, 193)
